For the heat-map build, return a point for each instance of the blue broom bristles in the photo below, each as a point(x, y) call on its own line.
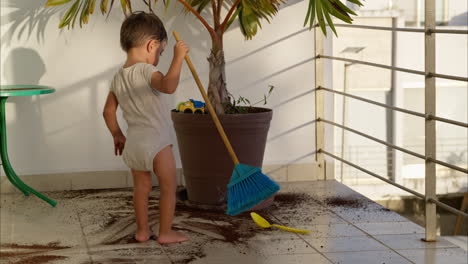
point(249, 191)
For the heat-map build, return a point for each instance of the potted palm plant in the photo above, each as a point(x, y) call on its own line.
point(206, 164)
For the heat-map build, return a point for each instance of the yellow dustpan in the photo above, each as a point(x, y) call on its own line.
point(262, 222)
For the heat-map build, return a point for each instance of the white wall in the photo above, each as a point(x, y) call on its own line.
point(65, 132)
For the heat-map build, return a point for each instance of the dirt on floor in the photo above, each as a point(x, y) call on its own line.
point(108, 221)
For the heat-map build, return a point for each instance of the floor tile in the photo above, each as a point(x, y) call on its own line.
point(391, 228)
point(6, 219)
point(255, 259)
point(367, 257)
point(331, 230)
point(42, 253)
point(412, 241)
point(248, 255)
point(5, 185)
point(312, 217)
point(436, 256)
point(357, 215)
point(36, 222)
point(149, 252)
point(97, 226)
point(280, 247)
point(341, 244)
point(460, 241)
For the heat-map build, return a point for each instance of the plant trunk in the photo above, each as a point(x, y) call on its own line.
point(217, 92)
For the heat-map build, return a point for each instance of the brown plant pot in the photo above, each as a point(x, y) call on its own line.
point(206, 164)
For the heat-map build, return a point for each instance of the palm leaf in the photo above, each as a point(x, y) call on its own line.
point(129, 4)
point(326, 13)
point(76, 15)
point(69, 15)
point(251, 11)
point(324, 9)
point(343, 7)
point(56, 2)
point(123, 4)
point(320, 18)
point(233, 17)
point(166, 4)
point(198, 5)
point(110, 8)
point(308, 13)
point(357, 2)
point(104, 4)
point(312, 16)
point(92, 6)
point(84, 13)
point(248, 22)
point(337, 12)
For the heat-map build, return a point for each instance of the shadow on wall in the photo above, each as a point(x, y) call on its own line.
point(25, 66)
point(26, 17)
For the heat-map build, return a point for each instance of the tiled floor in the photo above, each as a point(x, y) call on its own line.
point(97, 227)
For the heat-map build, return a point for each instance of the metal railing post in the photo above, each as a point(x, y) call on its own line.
point(391, 100)
point(430, 128)
point(319, 103)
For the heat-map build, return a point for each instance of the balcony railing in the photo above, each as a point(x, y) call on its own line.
point(429, 116)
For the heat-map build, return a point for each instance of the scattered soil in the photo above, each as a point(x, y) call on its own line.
point(50, 246)
point(40, 259)
point(94, 193)
point(24, 254)
point(292, 199)
point(108, 218)
point(346, 202)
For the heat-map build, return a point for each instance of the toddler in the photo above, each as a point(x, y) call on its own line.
point(137, 88)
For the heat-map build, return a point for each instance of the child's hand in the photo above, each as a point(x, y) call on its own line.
point(119, 144)
point(180, 50)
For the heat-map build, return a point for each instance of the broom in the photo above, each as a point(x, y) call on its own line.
point(248, 185)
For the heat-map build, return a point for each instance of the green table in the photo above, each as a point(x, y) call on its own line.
point(5, 92)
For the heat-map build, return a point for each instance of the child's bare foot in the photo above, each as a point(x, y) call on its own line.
point(171, 237)
point(144, 236)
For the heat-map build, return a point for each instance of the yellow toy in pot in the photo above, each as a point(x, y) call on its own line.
point(191, 106)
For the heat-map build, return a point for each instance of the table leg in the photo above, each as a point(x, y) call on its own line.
point(10, 173)
point(3, 150)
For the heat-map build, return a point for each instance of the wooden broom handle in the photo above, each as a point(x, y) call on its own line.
point(210, 107)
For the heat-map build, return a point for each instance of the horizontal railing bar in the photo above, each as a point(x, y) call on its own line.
point(441, 119)
point(448, 208)
point(382, 28)
point(450, 121)
point(375, 139)
point(420, 30)
point(437, 75)
point(448, 165)
point(373, 174)
point(450, 31)
point(419, 195)
point(396, 147)
point(450, 77)
point(374, 102)
point(373, 64)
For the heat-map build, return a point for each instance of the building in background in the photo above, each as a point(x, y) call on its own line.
point(400, 49)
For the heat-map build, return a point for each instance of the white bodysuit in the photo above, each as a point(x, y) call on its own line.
point(146, 113)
